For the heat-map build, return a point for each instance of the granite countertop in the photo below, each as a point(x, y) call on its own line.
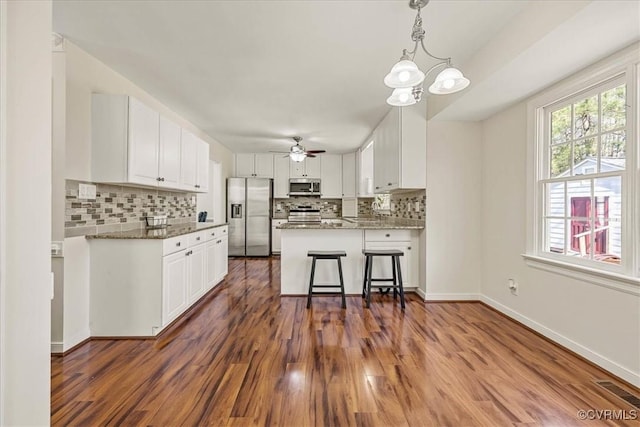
point(360, 224)
point(158, 233)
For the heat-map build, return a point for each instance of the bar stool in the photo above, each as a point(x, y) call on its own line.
point(326, 255)
point(367, 284)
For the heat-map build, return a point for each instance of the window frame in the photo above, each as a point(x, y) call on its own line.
point(621, 67)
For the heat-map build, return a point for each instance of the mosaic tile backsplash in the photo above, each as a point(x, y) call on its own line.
point(402, 205)
point(121, 208)
point(329, 208)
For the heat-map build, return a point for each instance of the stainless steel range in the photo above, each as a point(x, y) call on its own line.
point(304, 214)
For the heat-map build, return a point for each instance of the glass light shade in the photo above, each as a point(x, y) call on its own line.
point(401, 97)
point(297, 156)
point(450, 80)
point(404, 74)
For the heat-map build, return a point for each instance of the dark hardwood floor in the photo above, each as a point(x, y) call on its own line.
point(248, 357)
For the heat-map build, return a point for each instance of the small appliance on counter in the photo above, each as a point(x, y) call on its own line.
point(249, 216)
point(156, 221)
point(202, 216)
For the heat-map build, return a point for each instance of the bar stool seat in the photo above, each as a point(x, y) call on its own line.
point(396, 279)
point(316, 255)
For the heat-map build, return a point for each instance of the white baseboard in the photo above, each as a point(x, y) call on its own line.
point(452, 297)
point(56, 347)
point(603, 362)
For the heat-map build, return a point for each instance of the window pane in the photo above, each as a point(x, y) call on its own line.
point(560, 160)
point(613, 108)
point(561, 125)
point(579, 237)
point(613, 151)
point(554, 235)
point(579, 199)
point(555, 199)
point(585, 117)
point(585, 157)
point(608, 240)
point(608, 197)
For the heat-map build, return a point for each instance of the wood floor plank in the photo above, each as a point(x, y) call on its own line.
point(248, 357)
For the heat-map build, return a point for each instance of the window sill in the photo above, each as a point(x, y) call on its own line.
point(607, 279)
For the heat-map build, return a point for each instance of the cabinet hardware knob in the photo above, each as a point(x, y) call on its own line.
point(387, 235)
point(409, 248)
point(158, 179)
point(197, 238)
point(389, 184)
point(178, 244)
point(213, 234)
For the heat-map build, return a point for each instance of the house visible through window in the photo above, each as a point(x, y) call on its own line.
point(585, 166)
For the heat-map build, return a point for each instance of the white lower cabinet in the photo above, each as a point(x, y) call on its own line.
point(139, 286)
point(174, 286)
point(197, 268)
point(276, 235)
point(404, 240)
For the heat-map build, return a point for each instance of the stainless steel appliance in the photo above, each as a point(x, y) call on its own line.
point(304, 187)
point(249, 216)
point(304, 214)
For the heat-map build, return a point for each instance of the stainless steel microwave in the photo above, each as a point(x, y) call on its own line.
point(304, 187)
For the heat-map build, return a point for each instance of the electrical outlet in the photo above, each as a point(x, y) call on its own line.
point(86, 191)
point(513, 286)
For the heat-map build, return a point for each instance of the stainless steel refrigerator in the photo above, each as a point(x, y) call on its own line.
point(249, 216)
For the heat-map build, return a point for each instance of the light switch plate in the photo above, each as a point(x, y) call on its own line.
point(86, 191)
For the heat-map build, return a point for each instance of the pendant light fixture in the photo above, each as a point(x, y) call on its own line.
point(406, 78)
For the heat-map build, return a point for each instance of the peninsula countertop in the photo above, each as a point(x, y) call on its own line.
point(158, 233)
point(358, 224)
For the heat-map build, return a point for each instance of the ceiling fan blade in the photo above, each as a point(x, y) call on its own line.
point(280, 152)
point(316, 151)
point(311, 155)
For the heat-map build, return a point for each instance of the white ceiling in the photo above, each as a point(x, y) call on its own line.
point(251, 74)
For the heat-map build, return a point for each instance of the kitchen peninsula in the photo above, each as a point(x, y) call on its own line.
point(351, 236)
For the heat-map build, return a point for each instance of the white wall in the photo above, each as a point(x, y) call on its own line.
point(25, 286)
point(454, 208)
point(599, 323)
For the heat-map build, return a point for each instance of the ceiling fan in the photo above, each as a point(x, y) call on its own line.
point(297, 153)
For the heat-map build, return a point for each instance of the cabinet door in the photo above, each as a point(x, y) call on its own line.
point(276, 234)
point(348, 175)
point(312, 167)
point(212, 271)
point(202, 166)
point(169, 154)
point(222, 258)
point(382, 265)
point(331, 176)
point(174, 286)
point(188, 162)
point(244, 165)
point(297, 169)
point(365, 171)
point(386, 157)
point(281, 177)
point(263, 166)
point(143, 139)
point(197, 271)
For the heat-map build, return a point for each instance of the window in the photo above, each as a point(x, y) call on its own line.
point(585, 188)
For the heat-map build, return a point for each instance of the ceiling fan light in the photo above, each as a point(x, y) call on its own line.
point(449, 80)
point(297, 156)
point(402, 97)
point(404, 74)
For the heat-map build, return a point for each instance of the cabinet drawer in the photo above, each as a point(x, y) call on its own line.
point(174, 244)
point(197, 238)
point(212, 233)
point(387, 235)
point(277, 222)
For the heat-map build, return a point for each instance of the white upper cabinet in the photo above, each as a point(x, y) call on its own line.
point(331, 176)
point(143, 146)
point(309, 168)
point(365, 168)
point(254, 165)
point(194, 175)
point(400, 154)
point(348, 175)
point(169, 153)
point(133, 144)
point(281, 177)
